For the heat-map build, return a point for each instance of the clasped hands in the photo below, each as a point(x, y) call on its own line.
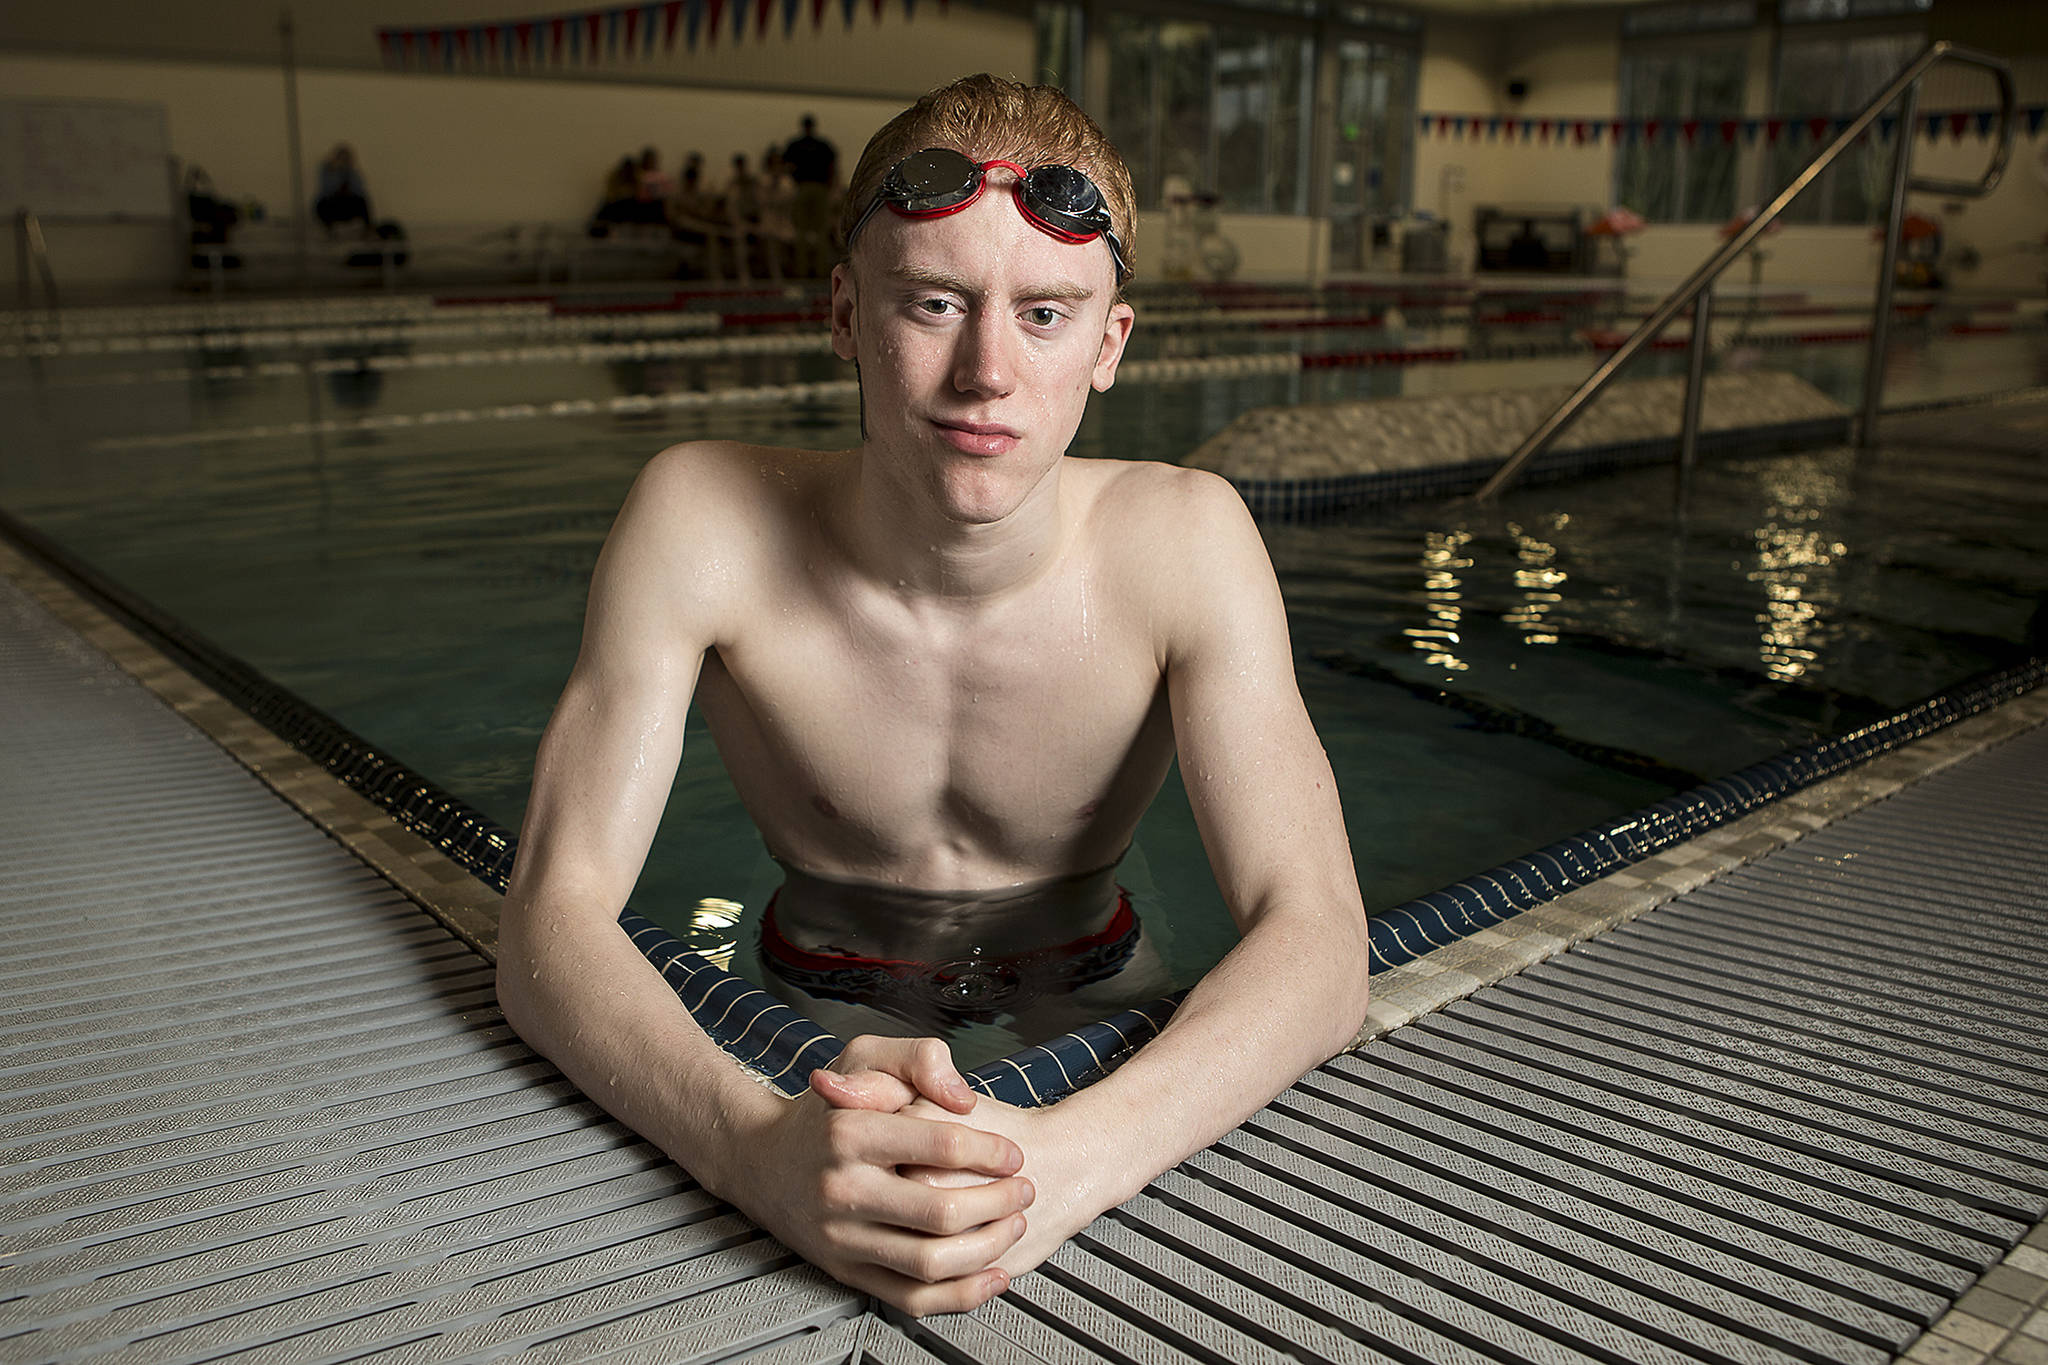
point(878, 1176)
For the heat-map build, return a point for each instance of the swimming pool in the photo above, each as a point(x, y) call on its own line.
point(1514, 674)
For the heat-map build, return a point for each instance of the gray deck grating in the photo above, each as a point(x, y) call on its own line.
point(254, 1103)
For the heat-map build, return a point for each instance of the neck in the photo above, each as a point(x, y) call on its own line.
point(908, 542)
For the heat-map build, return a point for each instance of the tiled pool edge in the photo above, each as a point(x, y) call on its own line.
point(423, 873)
point(1447, 973)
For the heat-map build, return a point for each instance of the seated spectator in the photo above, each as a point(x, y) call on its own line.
point(342, 197)
point(742, 199)
point(621, 197)
point(651, 189)
point(210, 219)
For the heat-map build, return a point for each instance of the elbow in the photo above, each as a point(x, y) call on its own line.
point(1350, 993)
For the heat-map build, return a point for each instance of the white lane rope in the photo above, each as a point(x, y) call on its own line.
point(762, 395)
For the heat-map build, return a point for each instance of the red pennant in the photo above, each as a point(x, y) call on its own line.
point(1772, 128)
point(711, 28)
point(408, 38)
point(593, 29)
point(671, 13)
point(492, 48)
point(1691, 129)
point(632, 30)
point(1817, 128)
point(462, 45)
point(1652, 127)
point(1614, 128)
point(761, 8)
point(1443, 124)
point(1543, 130)
point(1579, 134)
point(1956, 124)
point(817, 13)
point(434, 40)
point(1729, 128)
point(556, 27)
point(877, 6)
point(525, 31)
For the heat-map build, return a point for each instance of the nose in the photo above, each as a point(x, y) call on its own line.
point(985, 362)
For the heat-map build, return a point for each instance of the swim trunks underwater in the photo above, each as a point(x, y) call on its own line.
point(969, 990)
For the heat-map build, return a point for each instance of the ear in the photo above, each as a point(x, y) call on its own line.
point(843, 302)
point(1116, 331)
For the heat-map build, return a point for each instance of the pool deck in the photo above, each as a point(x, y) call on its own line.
point(1786, 1100)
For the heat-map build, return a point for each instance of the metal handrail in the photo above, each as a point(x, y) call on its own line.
point(31, 249)
point(1904, 87)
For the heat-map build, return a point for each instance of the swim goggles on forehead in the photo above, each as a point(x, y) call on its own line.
point(1057, 200)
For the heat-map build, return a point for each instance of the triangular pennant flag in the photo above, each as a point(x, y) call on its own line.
point(1579, 133)
point(715, 11)
point(1443, 124)
point(1956, 123)
point(1887, 124)
point(460, 39)
point(877, 7)
point(1493, 128)
point(405, 42)
point(1932, 127)
point(1652, 127)
point(1424, 122)
point(671, 15)
point(1458, 125)
point(908, 6)
point(846, 8)
point(762, 9)
point(387, 45)
point(593, 29)
point(817, 13)
point(693, 21)
point(1614, 130)
point(650, 18)
point(556, 28)
point(1750, 128)
point(1774, 128)
point(1594, 130)
point(525, 28)
point(739, 19)
point(1817, 127)
point(789, 9)
point(1984, 117)
point(2034, 117)
point(1543, 130)
point(1729, 128)
point(435, 38)
point(1691, 129)
point(492, 49)
point(632, 25)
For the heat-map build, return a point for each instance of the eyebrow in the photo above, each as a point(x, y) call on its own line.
point(940, 279)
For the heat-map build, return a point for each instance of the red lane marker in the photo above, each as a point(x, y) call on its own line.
point(1970, 329)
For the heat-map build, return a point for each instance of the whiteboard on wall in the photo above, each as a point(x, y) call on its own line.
point(85, 158)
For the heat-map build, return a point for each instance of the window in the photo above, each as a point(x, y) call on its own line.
point(1672, 178)
point(1833, 75)
point(1222, 108)
point(1702, 17)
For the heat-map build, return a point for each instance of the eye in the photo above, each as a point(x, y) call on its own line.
point(936, 306)
point(1042, 316)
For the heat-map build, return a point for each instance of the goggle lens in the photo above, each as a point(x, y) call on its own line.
point(1058, 200)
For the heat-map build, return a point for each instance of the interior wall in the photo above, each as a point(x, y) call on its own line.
point(448, 151)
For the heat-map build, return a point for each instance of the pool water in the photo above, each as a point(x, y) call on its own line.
point(1486, 680)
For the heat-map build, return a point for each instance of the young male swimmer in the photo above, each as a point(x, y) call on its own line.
point(952, 658)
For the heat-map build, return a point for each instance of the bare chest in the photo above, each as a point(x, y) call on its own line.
point(942, 753)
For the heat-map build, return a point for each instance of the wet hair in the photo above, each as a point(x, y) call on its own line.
point(988, 118)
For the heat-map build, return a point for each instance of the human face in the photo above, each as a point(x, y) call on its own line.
point(979, 338)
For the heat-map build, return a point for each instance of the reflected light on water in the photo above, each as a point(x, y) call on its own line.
point(1538, 577)
point(1442, 558)
point(711, 928)
point(1795, 567)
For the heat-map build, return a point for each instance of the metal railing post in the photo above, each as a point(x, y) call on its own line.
point(1695, 380)
point(1887, 273)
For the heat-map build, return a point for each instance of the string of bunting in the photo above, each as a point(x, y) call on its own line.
point(622, 33)
point(1582, 132)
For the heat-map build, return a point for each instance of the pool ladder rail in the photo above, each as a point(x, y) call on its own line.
point(1697, 290)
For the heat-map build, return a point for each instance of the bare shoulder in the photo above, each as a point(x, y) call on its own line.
point(1183, 549)
point(1179, 526)
point(704, 520)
